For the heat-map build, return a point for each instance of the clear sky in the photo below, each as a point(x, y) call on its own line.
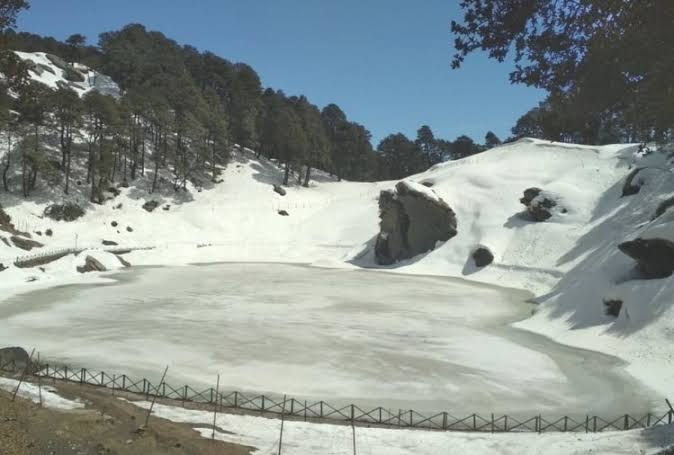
point(386, 63)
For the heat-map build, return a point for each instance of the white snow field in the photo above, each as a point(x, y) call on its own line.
point(412, 342)
point(301, 438)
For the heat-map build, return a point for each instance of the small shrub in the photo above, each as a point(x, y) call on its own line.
point(4, 217)
point(65, 212)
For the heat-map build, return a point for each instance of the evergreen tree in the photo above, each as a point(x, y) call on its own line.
point(67, 115)
point(400, 156)
point(428, 145)
point(491, 140)
point(464, 146)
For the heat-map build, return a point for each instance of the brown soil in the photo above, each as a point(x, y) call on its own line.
point(106, 426)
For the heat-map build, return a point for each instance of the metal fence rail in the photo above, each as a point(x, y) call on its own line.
point(321, 410)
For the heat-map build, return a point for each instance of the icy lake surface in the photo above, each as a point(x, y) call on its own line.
point(373, 338)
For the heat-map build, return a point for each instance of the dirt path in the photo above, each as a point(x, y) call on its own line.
point(106, 426)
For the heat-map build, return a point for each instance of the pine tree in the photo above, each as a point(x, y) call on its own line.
point(428, 145)
point(67, 115)
point(491, 140)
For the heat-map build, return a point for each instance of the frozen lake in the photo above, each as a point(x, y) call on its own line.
point(342, 336)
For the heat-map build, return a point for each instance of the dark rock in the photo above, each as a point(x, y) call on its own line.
point(78, 183)
point(538, 204)
point(167, 207)
point(25, 244)
point(72, 75)
point(280, 190)
point(91, 264)
point(124, 184)
point(14, 358)
point(40, 68)
point(5, 241)
point(483, 256)
point(57, 61)
point(65, 212)
point(49, 232)
point(150, 205)
point(655, 257)
point(5, 219)
point(612, 307)
point(428, 184)
point(129, 229)
point(109, 243)
point(2, 267)
point(631, 187)
point(283, 213)
point(664, 206)
point(39, 233)
point(114, 224)
point(411, 223)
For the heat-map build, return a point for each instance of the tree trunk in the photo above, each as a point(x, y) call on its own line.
point(69, 144)
point(8, 162)
point(307, 177)
point(286, 174)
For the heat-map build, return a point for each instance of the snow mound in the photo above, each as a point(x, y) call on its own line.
point(32, 392)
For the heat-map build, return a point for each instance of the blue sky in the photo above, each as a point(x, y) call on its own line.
point(386, 63)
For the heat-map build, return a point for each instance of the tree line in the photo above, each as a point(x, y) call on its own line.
point(605, 64)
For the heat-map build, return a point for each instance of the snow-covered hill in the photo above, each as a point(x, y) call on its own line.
point(570, 263)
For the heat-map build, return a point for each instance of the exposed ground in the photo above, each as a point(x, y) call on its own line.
point(107, 425)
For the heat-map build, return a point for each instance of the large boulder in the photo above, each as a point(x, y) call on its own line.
point(91, 264)
point(412, 220)
point(539, 204)
point(664, 206)
point(13, 358)
point(482, 256)
point(655, 257)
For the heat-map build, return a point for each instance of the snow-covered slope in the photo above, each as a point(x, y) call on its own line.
point(43, 68)
point(570, 262)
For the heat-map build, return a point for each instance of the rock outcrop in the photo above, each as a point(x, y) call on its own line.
point(25, 244)
point(633, 185)
point(412, 220)
point(539, 204)
point(14, 358)
point(483, 256)
point(663, 207)
point(612, 307)
point(91, 264)
point(655, 257)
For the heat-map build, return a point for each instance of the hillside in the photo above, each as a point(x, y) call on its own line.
point(570, 263)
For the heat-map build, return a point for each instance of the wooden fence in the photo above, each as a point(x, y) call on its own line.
point(47, 256)
point(354, 414)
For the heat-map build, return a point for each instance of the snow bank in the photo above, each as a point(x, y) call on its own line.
point(50, 398)
point(302, 438)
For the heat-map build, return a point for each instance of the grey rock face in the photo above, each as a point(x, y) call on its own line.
point(411, 223)
point(633, 185)
point(655, 257)
point(91, 264)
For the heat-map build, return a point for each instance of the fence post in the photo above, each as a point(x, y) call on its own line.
point(411, 422)
point(379, 414)
point(587, 423)
point(474, 423)
point(352, 414)
point(236, 399)
point(65, 373)
point(566, 423)
point(627, 422)
point(505, 425)
point(321, 409)
point(595, 424)
point(444, 420)
point(262, 403)
point(492, 422)
point(184, 395)
point(648, 420)
point(83, 372)
point(305, 410)
point(102, 377)
point(124, 382)
point(292, 406)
